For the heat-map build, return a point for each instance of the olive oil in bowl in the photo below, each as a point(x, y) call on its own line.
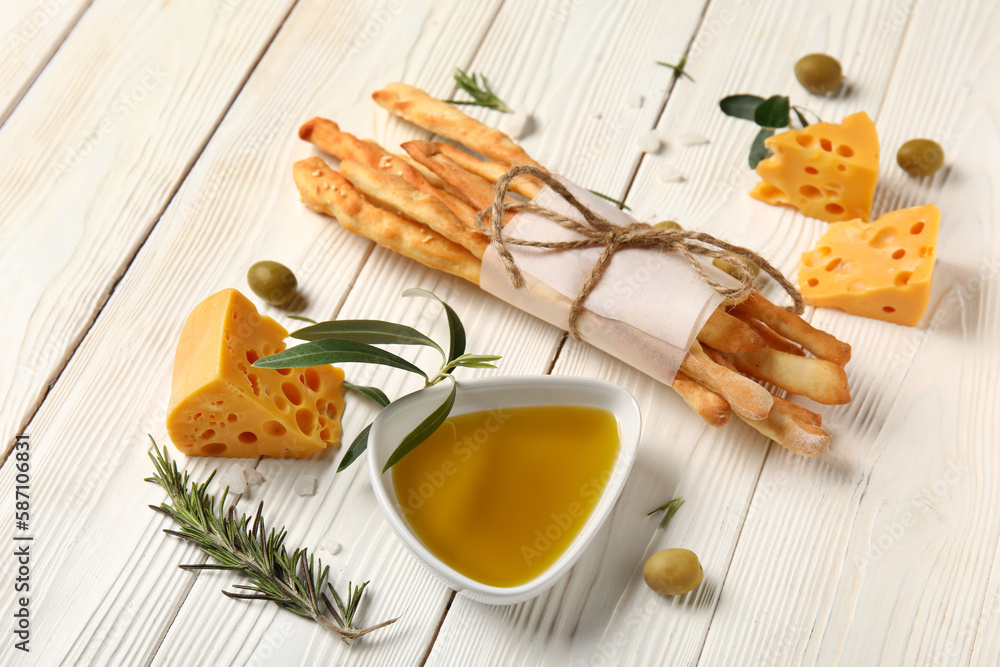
point(502, 503)
point(499, 495)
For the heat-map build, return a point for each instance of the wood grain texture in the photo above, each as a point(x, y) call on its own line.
point(31, 32)
point(92, 154)
point(895, 535)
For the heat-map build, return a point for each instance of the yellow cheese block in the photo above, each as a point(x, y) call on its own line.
point(880, 269)
point(827, 171)
point(221, 406)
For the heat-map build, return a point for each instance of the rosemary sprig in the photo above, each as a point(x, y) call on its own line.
point(678, 68)
point(293, 581)
point(669, 509)
point(770, 114)
point(342, 341)
point(480, 92)
point(617, 202)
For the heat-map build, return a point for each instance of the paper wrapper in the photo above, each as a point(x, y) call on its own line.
point(647, 308)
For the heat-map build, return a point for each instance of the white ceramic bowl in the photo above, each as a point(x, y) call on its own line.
point(395, 421)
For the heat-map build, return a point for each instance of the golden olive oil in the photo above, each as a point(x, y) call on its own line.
point(499, 495)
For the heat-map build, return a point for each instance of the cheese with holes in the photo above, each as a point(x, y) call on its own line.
point(879, 269)
point(827, 171)
point(220, 405)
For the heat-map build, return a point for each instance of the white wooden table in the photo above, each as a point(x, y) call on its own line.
point(146, 163)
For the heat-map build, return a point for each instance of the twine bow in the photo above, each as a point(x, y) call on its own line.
point(599, 232)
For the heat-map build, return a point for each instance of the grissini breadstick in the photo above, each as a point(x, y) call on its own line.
point(710, 406)
point(445, 119)
point(747, 398)
point(794, 434)
point(329, 138)
point(794, 328)
point(476, 190)
point(772, 339)
point(527, 187)
point(326, 191)
point(821, 380)
point(790, 425)
point(724, 332)
point(392, 192)
point(431, 177)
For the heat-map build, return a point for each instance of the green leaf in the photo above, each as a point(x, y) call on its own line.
point(758, 151)
point(670, 508)
point(334, 351)
point(802, 119)
point(373, 332)
point(356, 449)
point(678, 68)
point(424, 430)
point(457, 345)
point(373, 393)
point(617, 202)
point(740, 106)
point(478, 357)
point(772, 112)
point(302, 318)
point(475, 361)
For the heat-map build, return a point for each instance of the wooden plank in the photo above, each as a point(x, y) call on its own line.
point(93, 153)
point(884, 551)
point(581, 621)
point(32, 31)
point(238, 205)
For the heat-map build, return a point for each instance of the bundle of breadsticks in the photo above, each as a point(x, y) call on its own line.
point(424, 204)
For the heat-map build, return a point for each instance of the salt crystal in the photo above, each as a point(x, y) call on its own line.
point(234, 479)
point(635, 101)
point(649, 142)
point(332, 546)
point(668, 173)
point(692, 139)
point(253, 477)
point(515, 124)
point(305, 485)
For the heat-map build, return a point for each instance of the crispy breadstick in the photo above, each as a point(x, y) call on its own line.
point(794, 328)
point(746, 397)
point(728, 334)
point(798, 435)
point(326, 191)
point(713, 408)
point(328, 137)
point(476, 190)
point(821, 380)
point(800, 413)
point(772, 339)
point(395, 194)
point(447, 120)
point(431, 177)
point(527, 187)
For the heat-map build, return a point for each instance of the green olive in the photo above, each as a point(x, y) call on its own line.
point(673, 571)
point(667, 224)
point(733, 271)
point(819, 73)
point(920, 157)
point(273, 282)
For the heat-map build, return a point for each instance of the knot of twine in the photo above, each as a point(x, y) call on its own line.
point(599, 232)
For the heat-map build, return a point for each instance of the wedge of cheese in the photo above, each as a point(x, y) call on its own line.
point(880, 269)
point(827, 171)
point(220, 405)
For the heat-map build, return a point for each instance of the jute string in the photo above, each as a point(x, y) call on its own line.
point(599, 232)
